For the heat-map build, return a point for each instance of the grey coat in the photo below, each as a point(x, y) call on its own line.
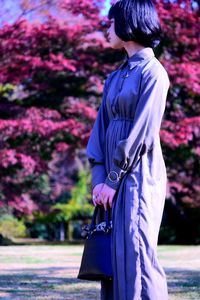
point(125, 139)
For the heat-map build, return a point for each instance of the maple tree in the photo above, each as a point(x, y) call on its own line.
point(50, 83)
point(181, 128)
point(52, 73)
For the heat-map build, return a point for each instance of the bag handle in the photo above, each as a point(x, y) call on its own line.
point(106, 217)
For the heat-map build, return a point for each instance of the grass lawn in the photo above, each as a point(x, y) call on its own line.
point(49, 272)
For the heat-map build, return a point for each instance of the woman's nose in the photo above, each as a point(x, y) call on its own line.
point(107, 35)
point(107, 32)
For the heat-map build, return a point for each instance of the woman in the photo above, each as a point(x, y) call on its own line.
point(128, 170)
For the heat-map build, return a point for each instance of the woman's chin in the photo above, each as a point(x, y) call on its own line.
point(115, 45)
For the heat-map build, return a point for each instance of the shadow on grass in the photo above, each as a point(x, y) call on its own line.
point(47, 283)
point(57, 283)
point(183, 281)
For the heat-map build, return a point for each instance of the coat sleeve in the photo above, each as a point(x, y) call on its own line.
point(95, 146)
point(146, 124)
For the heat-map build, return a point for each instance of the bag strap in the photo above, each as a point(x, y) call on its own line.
point(93, 222)
point(107, 217)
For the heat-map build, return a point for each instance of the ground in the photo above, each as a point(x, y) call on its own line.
point(49, 272)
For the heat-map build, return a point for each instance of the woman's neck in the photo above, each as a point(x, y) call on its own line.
point(131, 48)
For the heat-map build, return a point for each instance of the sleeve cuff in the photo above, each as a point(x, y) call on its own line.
point(119, 174)
point(98, 174)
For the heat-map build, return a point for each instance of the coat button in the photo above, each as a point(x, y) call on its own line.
point(126, 75)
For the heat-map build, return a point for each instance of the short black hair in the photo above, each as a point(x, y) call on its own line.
point(136, 20)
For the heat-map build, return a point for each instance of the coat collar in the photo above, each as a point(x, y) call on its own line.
point(136, 58)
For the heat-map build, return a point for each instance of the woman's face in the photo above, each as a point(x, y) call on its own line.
point(113, 39)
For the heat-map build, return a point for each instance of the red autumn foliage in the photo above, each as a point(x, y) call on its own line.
point(56, 69)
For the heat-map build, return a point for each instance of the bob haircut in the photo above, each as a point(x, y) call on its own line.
point(136, 20)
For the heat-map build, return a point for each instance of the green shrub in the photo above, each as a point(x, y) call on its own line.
point(12, 227)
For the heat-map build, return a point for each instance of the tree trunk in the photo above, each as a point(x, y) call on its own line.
point(70, 231)
point(62, 231)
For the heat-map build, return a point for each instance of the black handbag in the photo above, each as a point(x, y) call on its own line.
point(96, 259)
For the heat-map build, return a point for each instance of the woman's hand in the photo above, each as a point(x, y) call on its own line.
point(104, 195)
point(96, 190)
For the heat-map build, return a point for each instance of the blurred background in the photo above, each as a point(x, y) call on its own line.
point(54, 59)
